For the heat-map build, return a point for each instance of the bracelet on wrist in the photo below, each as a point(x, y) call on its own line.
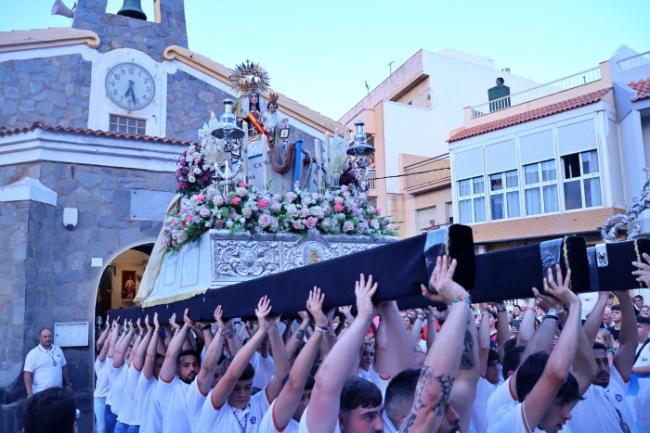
point(463, 298)
point(552, 316)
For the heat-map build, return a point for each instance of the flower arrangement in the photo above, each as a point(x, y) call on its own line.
point(247, 209)
point(193, 171)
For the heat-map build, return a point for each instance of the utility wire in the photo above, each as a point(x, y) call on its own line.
point(410, 174)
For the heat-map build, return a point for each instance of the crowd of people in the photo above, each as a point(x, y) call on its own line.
point(456, 367)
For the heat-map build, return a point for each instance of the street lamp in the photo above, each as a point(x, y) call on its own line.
point(231, 134)
point(360, 153)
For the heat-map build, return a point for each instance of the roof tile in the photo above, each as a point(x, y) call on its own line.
point(642, 88)
point(91, 132)
point(527, 116)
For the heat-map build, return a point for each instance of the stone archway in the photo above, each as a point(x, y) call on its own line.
point(120, 280)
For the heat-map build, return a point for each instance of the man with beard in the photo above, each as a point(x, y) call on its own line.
point(231, 406)
point(178, 371)
point(605, 407)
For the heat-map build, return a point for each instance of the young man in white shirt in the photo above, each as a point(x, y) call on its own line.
point(642, 355)
point(45, 365)
point(231, 406)
point(148, 408)
point(399, 399)
point(546, 401)
point(339, 403)
point(284, 414)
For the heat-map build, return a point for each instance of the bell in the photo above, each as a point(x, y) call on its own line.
point(359, 147)
point(132, 9)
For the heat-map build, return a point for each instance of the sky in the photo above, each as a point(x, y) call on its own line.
point(322, 52)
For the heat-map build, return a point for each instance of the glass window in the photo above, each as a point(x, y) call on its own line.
point(496, 205)
point(465, 210)
point(550, 199)
point(479, 209)
point(511, 179)
point(496, 182)
point(589, 162)
point(592, 192)
point(464, 188)
point(126, 124)
point(513, 204)
point(572, 195)
point(533, 202)
point(531, 173)
point(548, 171)
point(479, 185)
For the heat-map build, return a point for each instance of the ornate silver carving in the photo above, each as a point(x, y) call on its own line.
point(240, 256)
point(629, 219)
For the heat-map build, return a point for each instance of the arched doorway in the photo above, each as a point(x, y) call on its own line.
point(120, 280)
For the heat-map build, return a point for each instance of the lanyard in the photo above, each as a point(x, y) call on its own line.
point(243, 426)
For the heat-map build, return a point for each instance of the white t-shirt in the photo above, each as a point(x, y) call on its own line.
point(644, 358)
point(603, 409)
point(182, 403)
point(388, 424)
point(141, 397)
point(103, 372)
point(230, 419)
point(127, 407)
point(501, 397)
point(372, 376)
point(302, 427)
point(264, 369)
point(484, 389)
point(268, 424)
point(151, 421)
point(46, 367)
point(510, 419)
point(642, 403)
point(117, 388)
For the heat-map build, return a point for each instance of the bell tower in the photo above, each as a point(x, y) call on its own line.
point(121, 31)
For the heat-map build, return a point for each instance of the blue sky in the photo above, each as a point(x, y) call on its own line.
point(321, 52)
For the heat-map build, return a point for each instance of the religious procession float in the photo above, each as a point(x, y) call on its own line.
point(260, 212)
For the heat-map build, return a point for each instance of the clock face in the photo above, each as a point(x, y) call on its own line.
point(130, 86)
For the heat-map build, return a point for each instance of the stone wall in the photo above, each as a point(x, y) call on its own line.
point(189, 104)
point(14, 220)
point(46, 269)
point(116, 31)
point(55, 90)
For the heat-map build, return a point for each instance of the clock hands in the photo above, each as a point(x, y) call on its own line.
point(130, 92)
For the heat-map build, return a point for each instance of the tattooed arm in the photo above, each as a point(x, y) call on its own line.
point(441, 365)
point(464, 390)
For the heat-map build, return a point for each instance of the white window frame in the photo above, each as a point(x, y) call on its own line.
point(132, 122)
point(472, 198)
point(539, 185)
point(581, 179)
point(504, 191)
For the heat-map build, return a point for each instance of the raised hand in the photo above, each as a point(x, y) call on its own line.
point(315, 307)
point(363, 291)
point(156, 324)
point(558, 287)
point(138, 323)
point(108, 321)
point(446, 289)
point(262, 312)
point(346, 310)
point(146, 323)
point(643, 269)
point(186, 317)
point(546, 302)
point(172, 322)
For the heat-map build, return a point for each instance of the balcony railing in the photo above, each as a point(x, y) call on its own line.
point(428, 174)
point(634, 61)
point(575, 80)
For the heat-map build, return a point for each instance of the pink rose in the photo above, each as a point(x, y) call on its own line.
point(188, 219)
point(200, 197)
point(263, 203)
point(377, 211)
point(236, 200)
point(311, 222)
point(264, 220)
point(339, 207)
point(217, 200)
